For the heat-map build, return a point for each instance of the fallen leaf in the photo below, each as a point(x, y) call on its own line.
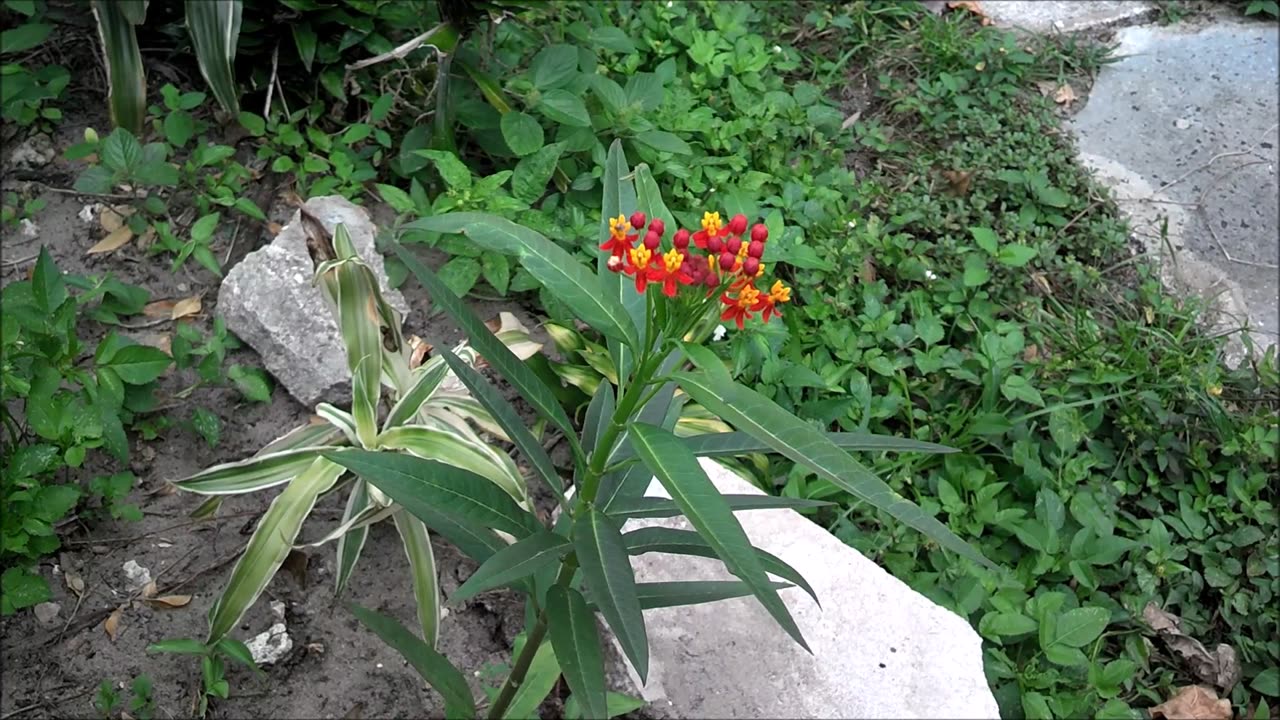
point(159, 341)
point(1064, 95)
point(420, 349)
point(113, 241)
point(1193, 703)
point(147, 239)
point(867, 274)
point(166, 489)
point(186, 306)
point(112, 624)
point(1031, 353)
point(958, 181)
point(110, 220)
point(173, 601)
point(1220, 668)
point(149, 589)
point(159, 308)
point(971, 7)
point(849, 121)
point(75, 583)
point(274, 228)
point(1042, 283)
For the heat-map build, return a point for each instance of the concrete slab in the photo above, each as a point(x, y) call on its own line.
point(1044, 16)
point(880, 649)
point(1187, 126)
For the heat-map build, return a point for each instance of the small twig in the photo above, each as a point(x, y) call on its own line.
point(42, 703)
point(147, 324)
point(271, 84)
point(19, 261)
point(1217, 178)
point(235, 234)
point(73, 191)
point(143, 536)
point(79, 601)
point(396, 53)
point(1213, 233)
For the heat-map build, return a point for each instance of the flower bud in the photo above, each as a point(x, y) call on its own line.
point(90, 135)
point(734, 245)
point(759, 233)
point(750, 267)
point(711, 280)
point(727, 260)
point(715, 245)
point(637, 220)
point(681, 240)
point(615, 263)
point(755, 249)
point(652, 240)
point(738, 224)
point(658, 226)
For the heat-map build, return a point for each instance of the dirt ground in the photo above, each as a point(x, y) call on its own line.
point(336, 668)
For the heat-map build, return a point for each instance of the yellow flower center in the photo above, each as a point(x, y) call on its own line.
point(619, 227)
point(779, 292)
point(711, 222)
point(748, 297)
point(640, 256)
point(742, 251)
point(673, 260)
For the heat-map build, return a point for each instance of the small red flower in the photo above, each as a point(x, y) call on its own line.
point(670, 272)
point(740, 308)
point(619, 242)
point(638, 262)
point(712, 228)
point(778, 294)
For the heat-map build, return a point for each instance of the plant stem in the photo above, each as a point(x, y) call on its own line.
point(531, 644)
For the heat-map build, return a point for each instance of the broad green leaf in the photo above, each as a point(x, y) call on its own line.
point(976, 272)
point(269, 545)
point(663, 141)
point(180, 646)
point(687, 483)
point(522, 133)
point(22, 588)
point(422, 572)
point(498, 355)
point(439, 673)
point(1077, 628)
point(215, 33)
point(802, 443)
point(687, 542)
point(453, 171)
point(304, 39)
point(252, 382)
point(351, 542)
point(740, 443)
point(1001, 624)
point(513, 563)
point(47, 285)
point(414, 482)
point(572, 627)
point(453, 449)
point(533, 172)
point(255, 473)
point(23, 37)
point(606, 568)
point(565, 108)
point(553, 66)
point(558, 271)
point(460, 274)
point(426, 380)
point(619, 199)
point(510, 421)
point(1016, 255)
point(126, 77)
point(628, 508)
point(543, 674)
point(986, 239)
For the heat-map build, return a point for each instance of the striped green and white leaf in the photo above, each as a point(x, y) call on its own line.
point(687, 483)
point(126, 75)
point(360, 513)
point(425, 381)
point(256, 473)
point(606, 568)
point(740, 443)
point(215, 32)
point(432, 444)
point(269, 545)
point(359, 323)
point(340, 419)
point(763, 419)
point(351, 541)
point(304, 436)
point(514, 563)
point(434, 668)
point(422, 572)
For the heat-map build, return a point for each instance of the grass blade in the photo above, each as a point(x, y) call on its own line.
point(422, 570)
point(602, 554)
point(214, 26)
point(655, 507)
point(126, 77)
point(506, 417)
point(679, 472)
point(414, 483)
point(255, 473)
point(269, 545)
point(513, 563)
point(572, 627)
point(434, 668)
point(687, 542)
point(557, 270)
point(782, 431)
point(512, 369)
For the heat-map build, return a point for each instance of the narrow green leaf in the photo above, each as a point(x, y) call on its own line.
point(497, 354)
point(269, 545)
point(414, 482)
point(509, 420)
point(740, 443)
point(513, 563)
point(619, 199)
point(687, 542)
point(256, 473)
point(434, 668)
point(655, 507)
point(557, 270)
point(762, 418)
point(599, 415)
point(679, 472)
point(602, 555)
point(422, 571)
point(214, 26)
point(572, 627)
point(693, 592)
point(543, 673)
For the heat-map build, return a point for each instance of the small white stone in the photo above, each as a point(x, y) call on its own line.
point(89, 212)
point(379, 666)
point(271, 646)
point(138, 575)
point(852, 224)
point(47, 612)
point(1182, 123)
point(29, 229)
point(777, 49)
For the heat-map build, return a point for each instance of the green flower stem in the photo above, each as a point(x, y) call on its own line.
point(531, 644)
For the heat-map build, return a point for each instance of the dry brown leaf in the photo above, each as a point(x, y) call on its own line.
point(1064, 95)
point(186, 306)
point(1220, 668)
point(147, 239)
point(1031, 353)
point(75, 583)
point(867, 273)
point(110, 220)
point(113, 241)
point(173, 601)
point(112, 624)
point(420, 349)
point(159, 308)
point(972, 7)
point(159, 341)
point(1193, 703)
point(1042, 283)
point(149, 590)
point(274, 228)
point(958, 181)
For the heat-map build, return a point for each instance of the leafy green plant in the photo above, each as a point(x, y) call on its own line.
point(141, 705)
point(428, 418)
point(578, 565)
point(213, 666)
point(1261, 7)
point(26, 95)
point(14, 209)
point(58, 406)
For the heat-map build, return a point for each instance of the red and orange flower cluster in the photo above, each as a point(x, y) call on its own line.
point(731, 264)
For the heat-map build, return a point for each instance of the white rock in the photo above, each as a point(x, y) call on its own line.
point(28, 229)
point(89, 212)
point(271, 646)
point(138, 576)
point(880, 649)
point(34, 153)
point(47, 612)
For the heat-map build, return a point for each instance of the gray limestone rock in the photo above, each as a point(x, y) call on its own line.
point(270, 302)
